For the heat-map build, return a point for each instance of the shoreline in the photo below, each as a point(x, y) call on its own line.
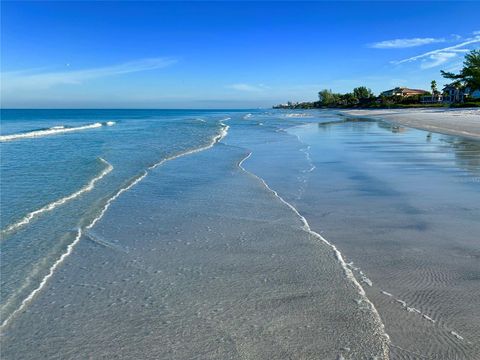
point(443, 121)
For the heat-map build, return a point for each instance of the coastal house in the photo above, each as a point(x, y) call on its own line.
point(403, 92)
point(452, 93)
point(431, 99)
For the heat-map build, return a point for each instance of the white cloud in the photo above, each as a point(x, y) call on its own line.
point(404, 43)
point(437, 59)
point(34, 80)
point(435, 54)
point(476, 32)
point(247, 87)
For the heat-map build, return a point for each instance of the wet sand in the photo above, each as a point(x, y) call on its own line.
point(460, 122)
point(199, 261)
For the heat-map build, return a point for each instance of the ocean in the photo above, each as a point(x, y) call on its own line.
point(236, 234)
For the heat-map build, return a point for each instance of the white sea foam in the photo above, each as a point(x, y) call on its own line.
point(427, 317)
point(45, 279)
point(424, 316)
point(411, 309)
point(49, 207)
point(55, 130)
point(70, 247)
point(215, 139)
point(367, 281)
point(457, 335)
point(348, 272)
point(298, 115)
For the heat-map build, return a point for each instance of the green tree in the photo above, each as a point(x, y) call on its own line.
point(469, 76)
point(362, 93)
point(328, 98)
point(349, 99)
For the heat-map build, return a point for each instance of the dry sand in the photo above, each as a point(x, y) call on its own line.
point(461, 122)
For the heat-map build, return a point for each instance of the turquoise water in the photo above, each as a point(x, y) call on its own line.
point(42, 176)
point(235, 234)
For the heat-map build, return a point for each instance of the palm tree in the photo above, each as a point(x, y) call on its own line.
point(433, 86)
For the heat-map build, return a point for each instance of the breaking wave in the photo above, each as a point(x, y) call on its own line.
point(55, 130)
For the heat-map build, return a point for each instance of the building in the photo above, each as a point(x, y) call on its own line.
point(429, 99)
point(403, 92)
point(452, 94)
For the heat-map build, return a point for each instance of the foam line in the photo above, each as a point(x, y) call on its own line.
point(52, 131)
point(423, 315)
point(338, 255)
point(215, 140)
point(70, 247)
point(45, 279)
point(49, 207)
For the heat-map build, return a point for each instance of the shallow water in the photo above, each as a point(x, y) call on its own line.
point(57, 183)
point(403, 206)
point(229, 250)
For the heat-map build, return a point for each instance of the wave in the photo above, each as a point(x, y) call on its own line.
point(298, 115)
point(70, 247)
point(49, 207)
point(60, 129)
point(214, 140)
point(347, 271)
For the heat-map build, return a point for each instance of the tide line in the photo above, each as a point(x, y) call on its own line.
point(49, 207)
point(44, 280)
point(348, 273)
point(70, 247)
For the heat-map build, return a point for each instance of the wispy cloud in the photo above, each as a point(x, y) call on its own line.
point(247, 87)
point(437, 59)
point(440, 56)
point(405, 43)
point(35, 80)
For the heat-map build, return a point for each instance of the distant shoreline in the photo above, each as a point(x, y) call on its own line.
point(458, 122)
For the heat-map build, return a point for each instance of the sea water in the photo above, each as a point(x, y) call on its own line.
point(61, 168)
point(233, 234)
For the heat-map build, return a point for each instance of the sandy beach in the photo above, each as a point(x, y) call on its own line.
point(460, 122)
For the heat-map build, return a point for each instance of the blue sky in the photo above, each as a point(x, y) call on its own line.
point(223, 54)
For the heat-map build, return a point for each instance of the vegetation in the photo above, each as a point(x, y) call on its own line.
point(467, 81)
point(469, 76)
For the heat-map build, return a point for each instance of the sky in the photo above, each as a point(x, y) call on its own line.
point(146, 54)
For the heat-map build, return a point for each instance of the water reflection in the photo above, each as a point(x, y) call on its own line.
point(467, 153)
point(391, 127)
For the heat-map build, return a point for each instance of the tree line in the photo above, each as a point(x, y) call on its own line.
point(467, 80)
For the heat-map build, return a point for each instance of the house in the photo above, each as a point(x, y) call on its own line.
point(451, 94)
point(431, 99)
point(403, 92)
